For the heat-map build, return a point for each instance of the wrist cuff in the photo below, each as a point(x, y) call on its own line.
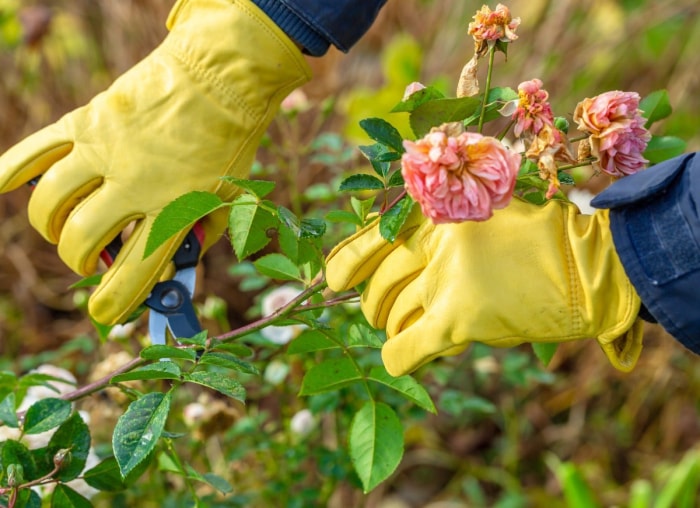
point(296, 28)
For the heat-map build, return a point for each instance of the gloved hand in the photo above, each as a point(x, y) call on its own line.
point(192, 111)
point(528, 274)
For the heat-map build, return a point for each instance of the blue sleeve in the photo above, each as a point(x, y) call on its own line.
point(655, 224)
point(316, 24)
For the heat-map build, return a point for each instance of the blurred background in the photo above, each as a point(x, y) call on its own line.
point(504, 420)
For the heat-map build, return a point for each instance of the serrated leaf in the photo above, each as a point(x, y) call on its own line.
point(362, 207)
point(343, 216)
point(361, 335)
point(160, 351)
point(14, 452)
point(330, 374)
point(8, 413)
point(278, 266)
point(383, 132)
point(180, 215)
point(310, 341)
point(436, 112)
point(289, 243)
point(73, 435)
point(217, 482)
point(220, 383)
point(661, 148)
point(405, 385)
point(159, 370)
point(498, 96)
point(565, 178)
point(545, 351)
point(289, 219)
point(396, 180)
point(138, 430)
point(259, 188)
point(312, 228)
point(28, 498)
point(105, 476)
point(375, 443)
point(46, 414)
point(239, 350)
point(200, 339)
point(392, 220)
point(361, 182)
point(422, 96)
point(655, 106)
point(65, 497)
point(228, 361)
point(249, 224)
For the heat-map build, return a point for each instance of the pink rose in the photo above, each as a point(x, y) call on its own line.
point(458, 178)
point(533, 111)
point(618, 136)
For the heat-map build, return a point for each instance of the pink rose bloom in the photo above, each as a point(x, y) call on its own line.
point(458, 178)
point(618, 136)
point(533, 111)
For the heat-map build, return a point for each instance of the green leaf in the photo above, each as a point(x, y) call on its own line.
point(343, 216)
point(361, 335)
point(39, 379)
point(228, 361)
point(362, 207)
point(14, 452)
point(427, 94)
point(249, 224)
point(406, 385)
point(160, 351)
point(436, 112)
point(312, 228)
point(498, 96)
point(219, 382)
point(577, 493)
point(159, 370)
point(457, 403)
point(375, 443)
point(361, 182)
point(310, 341)
point(683, 479)
point(180, 215)
point(396, 180)
point(27, 498)
point(46, 414)
point(655, 106)
point(8, 413)
point(259, 188)
point(198, 340)
point(65, 497)
point(383, 132)
point(278, 266)
point(330, 374)
point(138, 430)
point(105, 476)
point(210, 479)
point(661, 148)
point(565, 178)
point(239, 350)
point(73, 435)
point(392, 220)
point(87, 282)
point(545, 351)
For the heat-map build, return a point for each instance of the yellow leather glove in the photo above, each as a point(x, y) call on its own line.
point(529, 274)
point(192, 111)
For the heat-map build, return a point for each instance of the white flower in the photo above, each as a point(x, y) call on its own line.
point(302, 423)
point(273, 301)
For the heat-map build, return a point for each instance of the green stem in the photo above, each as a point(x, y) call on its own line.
point(585, 162)
point(178, 463)
point(492, 55)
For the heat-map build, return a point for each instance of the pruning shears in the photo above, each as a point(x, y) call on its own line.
point(170, 301)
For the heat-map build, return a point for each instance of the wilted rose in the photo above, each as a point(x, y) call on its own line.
point(459, 177)
point(491, 26)
point(533, 111)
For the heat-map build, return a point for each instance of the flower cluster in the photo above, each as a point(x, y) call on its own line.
point(617, 133)
point(456, 175)
point(459, 176)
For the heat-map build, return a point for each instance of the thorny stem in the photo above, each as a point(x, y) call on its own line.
point(393, 202)
point(492, 55)
point(295, 304)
